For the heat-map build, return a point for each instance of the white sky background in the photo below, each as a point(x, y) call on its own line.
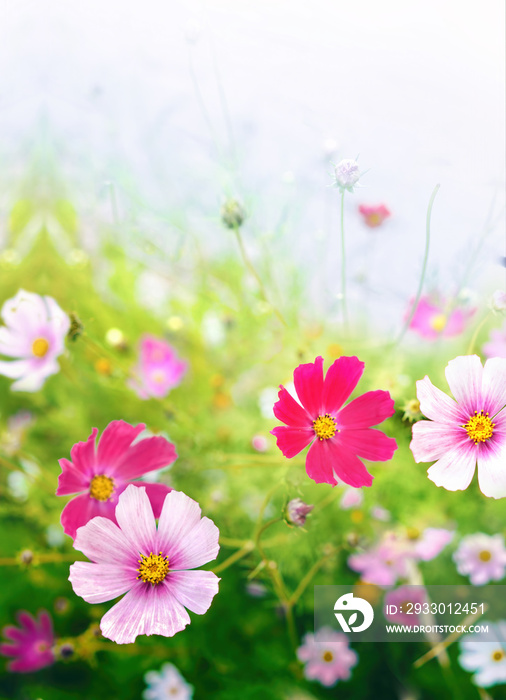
point(416, 88)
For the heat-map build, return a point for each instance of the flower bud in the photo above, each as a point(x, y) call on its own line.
point(297, 511)
point(347, 174)
point(232, 214)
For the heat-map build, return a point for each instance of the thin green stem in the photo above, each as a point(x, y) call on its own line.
point(476, 333)
point(304, 583)
point(343, 265)
point(424, 267)
point(245, 549)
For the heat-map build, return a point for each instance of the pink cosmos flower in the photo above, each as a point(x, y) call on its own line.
point(338, 435)
point(469, 431)
point(34, 334)
point(384, 563)
point(327, 661)
point(426, 545)
point(374, 215)
point(401, 598)
point(100, 474)
point(153, 566)
point(159, 369)
point(433, 319)
point(31, 644)
point(482, 558)
point(496, 346)
point(351, 498)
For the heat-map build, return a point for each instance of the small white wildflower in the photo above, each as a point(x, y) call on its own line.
point(498, 302)
point(347, 174)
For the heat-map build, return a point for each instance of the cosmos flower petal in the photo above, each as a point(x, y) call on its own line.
point(432, 440)
point(464, 375)
point(103, 542)
point(194, 589)
point(82, 455)
point(71, 480)
point(16, 369)
point(318, 463)
point(437, 405)
point(82, 508)
point(186, 538)
point(13, 344)
point(291, 441)
point(144, 610)
point(308, 380)
point(144, 456)
point(287, 410)
point(114, 442)
point(369, 409)
point(34, 380)
point(97, 583)
point(330, 462)
point(491, 470)
point(156, 494)
point(135, 517)
point(455, 469)
point(369, 444)
point(24, 311)
point(494, 385)
point(340, 381)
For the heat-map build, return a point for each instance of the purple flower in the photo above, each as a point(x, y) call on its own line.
point(34, 334)
point(482, 558)
point(467, 431)
point(152, 566)
point(297, 511)
point(159, 369)
point(327, 661)
point(31, 644)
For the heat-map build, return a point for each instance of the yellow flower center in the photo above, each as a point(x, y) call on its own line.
point(498, 655)
point(158, 376)
point(101, 487)
point(325, 427)
point(328, 656)
point(413, 533)
point(153, 569)
point(479, 427)
point(485, 555)
point(438, 322)
point(40, 346)
point(374, 219)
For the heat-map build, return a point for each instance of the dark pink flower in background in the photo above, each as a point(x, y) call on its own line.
point(374, 215)
point(159, 369)
point(31, 644)
point(101, 473)
point(434, 319)
point(154, 566)
point(403, 603)
point(338, 434)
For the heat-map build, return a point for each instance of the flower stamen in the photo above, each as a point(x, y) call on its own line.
point(153, 569)
point(328, 656)
point(479, 427)
point(101, 487)
point(325, 427)
point(40, 346)
point(485, 555)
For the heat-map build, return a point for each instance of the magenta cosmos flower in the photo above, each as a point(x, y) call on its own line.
point(400, 602)
point(374, 215)
point(34, 334)
point(467, 431)
point(338, 435)
point(327, 661)
point(154, 567)
point(101, 473)
point(31, 644)
point(434, 319)
point(159, 369)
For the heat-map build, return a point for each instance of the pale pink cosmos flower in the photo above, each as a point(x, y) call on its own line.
point(467, 431)
point(481, 557)
point(404, 599)
point(338, 434)
point(167, 683)
point(34, 334)
point(153, 566)
point(31, 644)
point(434, 319)
point(101, 473)
point(159, 369)
point(383, 563)
point(496, 346)
point(327, 661)
point(259, 443)
point(374, 215)
point(351, 498)
point(429, 543)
